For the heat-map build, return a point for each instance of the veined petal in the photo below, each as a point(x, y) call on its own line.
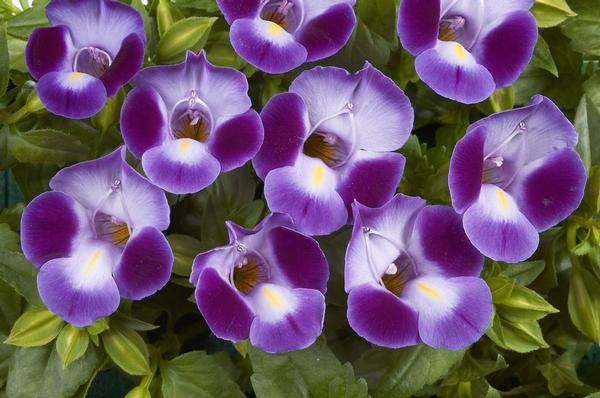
point(226, 312)
point(306, 191)
point(551, 188)
point(314, 8)
point(451, 71)
point(266, 45)
point(382, 318)
point(327, 33)
point(51, 226)
point(497, 228)
point(418, 22)
point(80, 289)
point(218, 259)
point(466, 169)
point(98, 23)
point(181, 166)
point(73, 95)
point(237, 140)
point(127, 62)
point(144, 120)
point(453, 313)
point(49, 50)
point(236, 9)
point(286, 125)
point(442, 244)
point(286, 319)
point(145, 266)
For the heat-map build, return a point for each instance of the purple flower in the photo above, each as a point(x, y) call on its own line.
point(412, 276)
point(190, 121)
point(327, 143)
point(96, 237)
point(466, 49)
point(91, 50)
point(277, 36)
point(266, 285)
point(514, 174)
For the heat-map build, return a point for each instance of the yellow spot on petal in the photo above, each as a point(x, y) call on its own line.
point(185, 145)
point(460, 51)
point(274, 30)
point(430, 290)
point(318, 174)
point(273, 297)
point(75, 76)
point(93, 262)
point(502, 199)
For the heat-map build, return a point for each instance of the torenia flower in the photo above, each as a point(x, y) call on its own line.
point(412, 276)
point(91, 50)
point(96, 237)
point(466, 49)
point(190, 121)
point(277, 36)
point(327, 143)
point(266, 285)
point(514, 174)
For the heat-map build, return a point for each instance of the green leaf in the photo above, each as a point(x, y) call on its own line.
point(379, 16)
point(404, 372)
point(521, 337)
point(71, 344)
point(187, 34)
point(204, 5)
point(562, 376)
point(312, 372)
point(588, 121)
point(583, 29)
point(37, 372)
point(139, 392)
point(550, 13)
point(133, 323)
point(36, 327)
point(524, 273)
point(542, 57)
point(47, 146)
point(127, 349)
point(23, 23)
point(196, 374)
point(471, 368)
point(166, 15)
point(523, 304)
point(4, 59)
point(363, 45)
point(185, 249)
point(584, 301)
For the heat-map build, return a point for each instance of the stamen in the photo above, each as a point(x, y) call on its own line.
point(492, 170)
point(284, 13)
point(111, 229)
point(451, 28)
point(248, 271)
point(92, 61)
point(191, 118)
point(327, 147)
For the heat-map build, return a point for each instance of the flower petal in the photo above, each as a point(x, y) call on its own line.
point(418, 24)
point(237, 140)
point(236, 9)
point(371, 178)
point(144, 121)
point(550, 189)
point(382, 112)
point(50, 227)
point(181, 166)
point(99, 23)
point(80, 289)
point(285, 121)
point(382, 318)
point(451, 71)
point(145, 266)
point(306, 191)
point(227, 314)
point(453, 313)
point(73, 95)
point(441, 241)
point(286, 319)
point(506, 50)
point(498, 229)
point(128, 61)
point(299, 259)
point(327, 33)
point(49, 50)
point(466, 169)
point(266, 45)
point(218, 259)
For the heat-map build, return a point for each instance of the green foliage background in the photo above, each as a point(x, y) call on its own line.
point(541, 341)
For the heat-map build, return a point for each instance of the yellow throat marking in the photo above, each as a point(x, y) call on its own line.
point(430, 290)
point(459, 51)
point(274, 30)
point(75, 76)
point(273, 297)
point(93, 262)
point(185, 145)
point(318, 174)
point(502, 199)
